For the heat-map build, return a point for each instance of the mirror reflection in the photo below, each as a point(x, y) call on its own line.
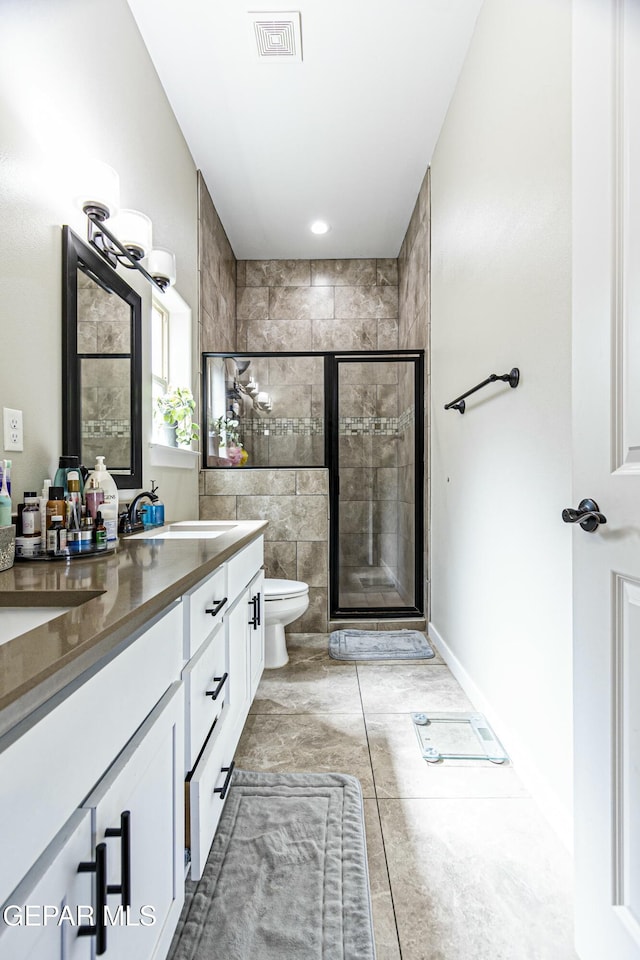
point(264, 411)
point(101, 358)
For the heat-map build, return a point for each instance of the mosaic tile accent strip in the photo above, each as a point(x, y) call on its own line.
point(314, 426)
point(283, 427)
point(105, 428)
point(378, 426)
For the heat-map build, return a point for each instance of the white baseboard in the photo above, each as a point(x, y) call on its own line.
point(529, 772)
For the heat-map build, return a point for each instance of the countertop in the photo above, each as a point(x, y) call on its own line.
point(127, 589)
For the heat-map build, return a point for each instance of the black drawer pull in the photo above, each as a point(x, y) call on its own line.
point(255, 619)
point(214, 694)
point(227, 780)
point(97, 929)
point(217, 607)
point(124, 832)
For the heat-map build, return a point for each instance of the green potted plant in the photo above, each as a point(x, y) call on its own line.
point(176, 408)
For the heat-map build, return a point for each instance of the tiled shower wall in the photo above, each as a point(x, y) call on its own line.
point(305, 305)
point(217, 268)
point(414, 314)
point(302, 305)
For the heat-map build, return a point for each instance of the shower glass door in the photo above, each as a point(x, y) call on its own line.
point(376, 476)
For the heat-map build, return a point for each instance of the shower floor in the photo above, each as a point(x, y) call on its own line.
point(368, 587)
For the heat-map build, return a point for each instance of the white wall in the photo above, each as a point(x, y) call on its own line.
point(501, 577)
point(76, 81)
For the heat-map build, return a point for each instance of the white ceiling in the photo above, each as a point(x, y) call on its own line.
point(345, 136)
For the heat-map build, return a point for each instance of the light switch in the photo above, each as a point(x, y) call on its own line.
point(12, 429)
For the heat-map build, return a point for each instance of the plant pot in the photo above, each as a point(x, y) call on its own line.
point(169, 431)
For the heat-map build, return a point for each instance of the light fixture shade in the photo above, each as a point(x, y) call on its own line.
point(134, 230)
point(162, 266)
point(98, 189)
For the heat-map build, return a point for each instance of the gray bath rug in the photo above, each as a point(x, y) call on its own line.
point(287, 875)
point(379, 645)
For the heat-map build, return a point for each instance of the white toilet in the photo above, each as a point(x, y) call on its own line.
point(284, 602)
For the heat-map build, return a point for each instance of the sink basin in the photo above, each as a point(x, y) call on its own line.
point(17, 620)
point(25, 610)
point(186, 530)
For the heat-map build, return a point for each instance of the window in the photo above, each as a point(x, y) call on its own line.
point(171, 361)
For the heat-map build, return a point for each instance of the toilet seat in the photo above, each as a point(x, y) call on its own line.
point(283, 589)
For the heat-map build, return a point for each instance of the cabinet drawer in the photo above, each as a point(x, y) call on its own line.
point(206, 681)
point(207, 791)
point(242, 568)
point(80, 736)
point(206, 609)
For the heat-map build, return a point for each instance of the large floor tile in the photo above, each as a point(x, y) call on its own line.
point(309, 687)
point(310, 648)
point(384, 921)
point(477, 880)
point(406, 688)
point(312, 744)
point(399, 769)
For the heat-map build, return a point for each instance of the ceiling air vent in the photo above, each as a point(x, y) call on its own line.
point(277, 34)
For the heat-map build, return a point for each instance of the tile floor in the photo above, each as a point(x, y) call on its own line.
point(462, 864)
point(368, 587)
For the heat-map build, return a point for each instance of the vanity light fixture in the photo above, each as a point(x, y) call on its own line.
point(98, 197)
point(319, 227)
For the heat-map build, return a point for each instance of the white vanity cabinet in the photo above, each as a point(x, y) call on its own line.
point(215, 723)
point(92, 805)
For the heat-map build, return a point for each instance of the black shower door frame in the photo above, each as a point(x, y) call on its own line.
point(332, 366)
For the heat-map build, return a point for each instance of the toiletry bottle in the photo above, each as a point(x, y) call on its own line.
point(56, 535)
point(86, 535)
point(110, 517)
point(42, 502)
point(93, 496)
point(68, 467)
point(110, 509)
point(31, 515)
point(5, 500)
point(55, 507)
point(158, 508)
point(100, 533)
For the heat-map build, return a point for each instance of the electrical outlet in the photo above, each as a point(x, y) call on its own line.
point(12, 429)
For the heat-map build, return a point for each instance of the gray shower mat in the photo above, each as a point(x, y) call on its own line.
point(379, 645)
point(287, 875)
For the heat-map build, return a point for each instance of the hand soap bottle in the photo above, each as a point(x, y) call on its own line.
point(109, 508)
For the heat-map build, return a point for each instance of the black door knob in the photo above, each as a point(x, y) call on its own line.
point(587, 515)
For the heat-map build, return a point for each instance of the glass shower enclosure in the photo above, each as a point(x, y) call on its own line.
point(376, 472)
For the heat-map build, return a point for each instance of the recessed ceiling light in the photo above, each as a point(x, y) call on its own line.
point(320, 226)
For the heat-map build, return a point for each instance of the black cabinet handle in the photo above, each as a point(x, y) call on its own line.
point(227, 780)
point(214, 694)
point(97, 929)
point(255, 619)
point(217, 607)
point(124, 832)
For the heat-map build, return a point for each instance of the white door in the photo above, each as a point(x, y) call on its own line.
point(606, 399)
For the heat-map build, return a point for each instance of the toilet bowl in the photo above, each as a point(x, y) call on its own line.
point(284, 602)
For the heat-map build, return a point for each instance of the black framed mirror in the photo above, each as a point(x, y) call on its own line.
point(101, 364)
